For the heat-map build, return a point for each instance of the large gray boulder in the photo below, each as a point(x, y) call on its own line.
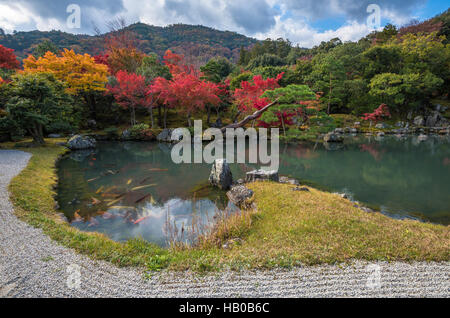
point(435, 119)
point(332, 137)
point(381, 126)
point(240, 196)
point(176, 134)
point(79, 142)
point(221, 176)
point(419, 121)
point(262, 175)
point(165, 135)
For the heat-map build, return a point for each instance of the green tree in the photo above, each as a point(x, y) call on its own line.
point(217, 69)
point(327, 76)
point(152, 68)
point(403, 91)
point(289, 99)
point(266, 59)
point(38, 99)
point(44, 47)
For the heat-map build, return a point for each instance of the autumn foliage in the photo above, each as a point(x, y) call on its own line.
point(131, 92)
point(185, 91)
point(381, 112)
point(8, 59)
point(248, 97)
point(80, 72)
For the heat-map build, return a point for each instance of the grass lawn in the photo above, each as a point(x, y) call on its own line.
point(289, 228)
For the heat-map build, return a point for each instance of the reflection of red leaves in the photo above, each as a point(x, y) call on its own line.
point(373, 151)
point(446, 161)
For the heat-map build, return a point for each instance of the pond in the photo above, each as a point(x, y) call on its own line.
point(131, 189)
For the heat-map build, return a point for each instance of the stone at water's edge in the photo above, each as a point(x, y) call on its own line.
point(221, 176)
point(332, 137)
point(165, 135)
point(240, 196)
point(262, 175)
point(79, 142)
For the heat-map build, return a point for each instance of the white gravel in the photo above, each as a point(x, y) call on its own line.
point(32, 265)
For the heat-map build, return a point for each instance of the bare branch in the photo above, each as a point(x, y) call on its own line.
point(249, 118)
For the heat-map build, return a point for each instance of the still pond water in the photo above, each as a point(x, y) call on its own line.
point(128, 190)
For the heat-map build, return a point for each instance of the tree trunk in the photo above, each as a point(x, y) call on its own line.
point(165, 116)
point(329, 97)
point(160, 119)
point(282, 123)
point(247, 119)
point(37, 133)
point(133, 116)
point(208, 120)
point(236, 116)
point(189, 119)
point(151, 116)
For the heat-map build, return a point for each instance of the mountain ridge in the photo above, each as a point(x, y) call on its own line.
point(199, 43)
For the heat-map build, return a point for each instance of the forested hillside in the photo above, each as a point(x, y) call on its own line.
point(197, 43)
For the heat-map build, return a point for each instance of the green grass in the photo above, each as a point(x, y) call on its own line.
point(289, 228)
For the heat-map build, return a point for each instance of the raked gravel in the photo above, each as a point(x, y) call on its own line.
point(32, 265)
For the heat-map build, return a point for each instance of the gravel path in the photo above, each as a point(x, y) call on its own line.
point(32, 265)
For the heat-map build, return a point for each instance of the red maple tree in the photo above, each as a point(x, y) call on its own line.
point(185, 91)
point(8, 59)
point(248, 97)
point(131, 92)
point(381, 112)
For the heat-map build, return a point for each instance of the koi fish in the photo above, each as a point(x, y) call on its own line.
point(95, 201)
point(141, 219)
point(120, 207)
point(143, 187)
point(114, 201)
point(129, 181)
point(93, 179)
point(99, 189)
point(158, 169)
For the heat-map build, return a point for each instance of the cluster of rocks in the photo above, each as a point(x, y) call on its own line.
point(238, 193)
point(80, 142)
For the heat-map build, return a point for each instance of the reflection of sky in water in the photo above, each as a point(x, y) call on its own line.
point(155, 223)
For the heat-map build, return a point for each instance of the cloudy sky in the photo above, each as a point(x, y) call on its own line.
point(304, 22)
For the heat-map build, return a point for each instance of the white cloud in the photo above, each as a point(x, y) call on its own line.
point(258, 18)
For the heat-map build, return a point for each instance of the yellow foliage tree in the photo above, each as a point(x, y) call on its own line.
point(80, 72)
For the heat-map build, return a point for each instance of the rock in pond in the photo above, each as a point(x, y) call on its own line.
point(332, 137)
point(422, 137)
point(79, 142)
point(221, 176)
point(240, 196)
point(262, 175)
point(165, 135)
point(419, 121)
point(381, 126)
point(289, 180)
